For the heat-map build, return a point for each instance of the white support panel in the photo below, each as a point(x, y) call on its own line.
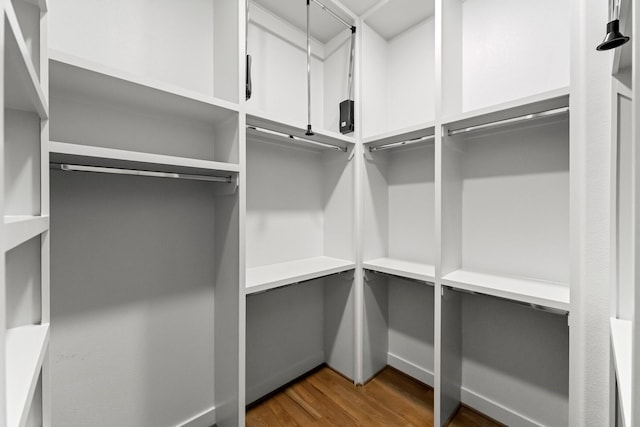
point(267, 277)
point(528, 291)
point(25, 350)
point(77, 75)
point(61, 152)
point(411, 270)
point(22, 87)
point(532, 104)
point(622, 348)
point(20, 229)
point(298, 130)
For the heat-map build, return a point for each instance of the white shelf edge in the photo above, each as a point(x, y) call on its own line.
point(27, 70)
point(556, 98)
point(621, 341)
point(409, 132)
point(396, 267)
point(25, 350)
point(524, 290)
point(166, 88)
point(263, 278)
point(87, 151)
point(298, 127)
point(22, 228)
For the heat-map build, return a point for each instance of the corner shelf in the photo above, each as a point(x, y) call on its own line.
point(22, 86)
point(405, 134)
point(524, 290)
point(25, 350)
point(396, 267)
point(272, 276)
point(521, 107)
point(621, 341)
point(22, 228)
point(61, 152)
point(74, 74)
point(296, 130)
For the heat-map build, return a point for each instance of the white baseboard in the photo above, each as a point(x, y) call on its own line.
point(495, 410)
point(206, 418)
point(410, 368)
point(278, 379)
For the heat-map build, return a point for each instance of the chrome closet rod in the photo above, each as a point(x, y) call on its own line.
point(548, 113)
point(397, 276)
point(401, 143)
point(332, 13)
point(296, 138)
point(531, 305)
point(134, 172)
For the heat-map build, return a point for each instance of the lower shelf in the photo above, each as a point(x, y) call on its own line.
point(524, 290)
point(271, 276)
point(410, 270)
point(19, 229)
point(621, 342)
point(25, 350)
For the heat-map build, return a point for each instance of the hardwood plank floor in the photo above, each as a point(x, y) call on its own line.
point(325, 398)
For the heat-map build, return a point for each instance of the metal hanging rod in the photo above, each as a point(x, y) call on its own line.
point(135, 172)
point(335, 16)
point(548, 113)
point(396, 276)
point(401, 143)
point(533, 306)
point(297, 138)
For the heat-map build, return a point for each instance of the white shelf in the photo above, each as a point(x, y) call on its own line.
point(61, 152)
point(76, 75)
point(261, 120)
point(411, 132)
point(275, 275)
point(22, 86)
point(22, 228)
point(529, 291)
point(25, 350)
point(411, 270)
point(621, 340)
point(521, 107)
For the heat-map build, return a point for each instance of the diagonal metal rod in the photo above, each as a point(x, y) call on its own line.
point(309, 131)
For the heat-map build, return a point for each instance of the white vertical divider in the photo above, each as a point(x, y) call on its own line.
point(358, 278)
point(635, 338)
point(45, 257)
point(3, 289)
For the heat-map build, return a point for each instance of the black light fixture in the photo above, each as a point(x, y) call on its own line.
point(614, 37)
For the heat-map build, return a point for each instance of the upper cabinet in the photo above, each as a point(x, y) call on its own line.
point(282, 90)
point(398, 66)
point(189, 44)
point(497, 51)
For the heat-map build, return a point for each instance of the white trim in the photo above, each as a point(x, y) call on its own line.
point(495, 410)
point(411, 369)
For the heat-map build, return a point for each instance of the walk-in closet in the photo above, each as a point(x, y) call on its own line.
point(320, 212)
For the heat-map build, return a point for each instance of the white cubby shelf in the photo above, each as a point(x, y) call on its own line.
point(272, 276)
point(519, 289)
point(621, 342)
point(22, 86)
point(22, 228)
point(71, 73)
point(85, 155)
point(25, 348)
point(401, 268)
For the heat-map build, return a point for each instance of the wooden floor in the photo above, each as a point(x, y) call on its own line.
point(325, 398)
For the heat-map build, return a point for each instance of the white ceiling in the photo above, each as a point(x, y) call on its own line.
point(388, 17)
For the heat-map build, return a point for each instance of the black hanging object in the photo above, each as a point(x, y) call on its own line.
point(248, 83)
point(614, 37)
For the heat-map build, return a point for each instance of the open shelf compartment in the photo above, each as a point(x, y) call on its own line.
point(25, 350)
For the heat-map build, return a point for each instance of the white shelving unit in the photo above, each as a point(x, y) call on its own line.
point(24, 285)
point(397, 267)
